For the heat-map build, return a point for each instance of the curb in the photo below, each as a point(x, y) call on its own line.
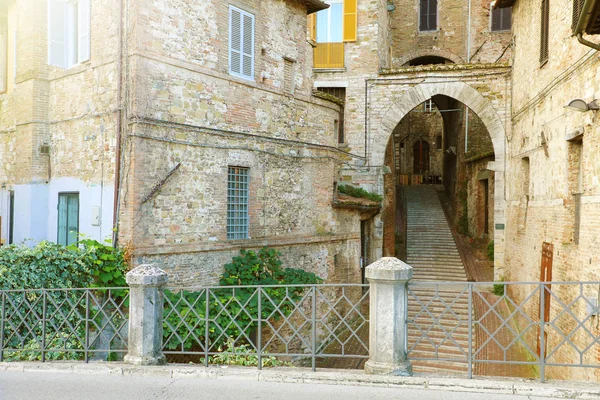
point(512, 386)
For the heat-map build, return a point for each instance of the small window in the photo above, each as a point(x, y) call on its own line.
point(241, 43)
point(288, 76)
point(68, 218)
point(237, 203)
point(68, 32)
point(428, 106)
point(544, 27)
point(438, 142)
point(428, 15)
point(501, 18)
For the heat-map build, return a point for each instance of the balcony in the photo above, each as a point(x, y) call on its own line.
point(329, 56)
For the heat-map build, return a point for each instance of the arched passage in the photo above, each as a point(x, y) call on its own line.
point(472, 99)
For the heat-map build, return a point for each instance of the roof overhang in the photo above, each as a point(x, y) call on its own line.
point(312, 6)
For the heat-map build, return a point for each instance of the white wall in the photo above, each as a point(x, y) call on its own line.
point(36, 210)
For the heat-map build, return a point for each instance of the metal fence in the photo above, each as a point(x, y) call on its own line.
point(529, 329)
point(266, 325)
point(63, 324)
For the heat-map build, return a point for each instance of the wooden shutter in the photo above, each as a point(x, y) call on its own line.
point(545, 15)
point(577, 6)
point(248, 46)
point(241, 43)
point(83, 22)
point(350, 24)
point(57, 21)
point(3, 60)
point(312, 27)
point(235, 41)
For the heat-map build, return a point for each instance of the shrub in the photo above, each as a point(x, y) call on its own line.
point(359, 192)
point(490, 250)
point(249, 269)
point(50, 265)
point(499, 288)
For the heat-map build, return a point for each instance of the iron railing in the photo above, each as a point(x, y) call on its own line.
point(464, 323)
point(269, 324)
point(63, 324)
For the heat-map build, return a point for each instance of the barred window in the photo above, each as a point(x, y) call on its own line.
point(237, 203)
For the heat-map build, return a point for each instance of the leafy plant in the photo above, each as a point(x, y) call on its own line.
point(226, 318)
point(490, 250)
point(499, 288)
point(239, 355)
point(359, 192)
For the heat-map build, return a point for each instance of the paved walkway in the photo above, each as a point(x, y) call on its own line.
point(117, 381)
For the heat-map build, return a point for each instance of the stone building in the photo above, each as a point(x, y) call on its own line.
point(426, 88)
point(553, 210)
point(190, 127)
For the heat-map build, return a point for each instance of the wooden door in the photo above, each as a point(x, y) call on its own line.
point(420, 157)
point(545, 276)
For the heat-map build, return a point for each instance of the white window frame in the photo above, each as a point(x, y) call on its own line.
point(242, 49)
point(75, 33)
point(328, 12)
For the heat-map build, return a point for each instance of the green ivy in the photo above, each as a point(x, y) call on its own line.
point(50, 265)
point(249, 269)
point(490, 250)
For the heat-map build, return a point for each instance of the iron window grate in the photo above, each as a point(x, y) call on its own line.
point(237, 203)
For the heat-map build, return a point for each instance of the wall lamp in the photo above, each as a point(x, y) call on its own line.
point(582, 106)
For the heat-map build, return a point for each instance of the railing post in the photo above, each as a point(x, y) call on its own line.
point(542, 333)
point(2, 326)
point(146, 315)
point(388, 312)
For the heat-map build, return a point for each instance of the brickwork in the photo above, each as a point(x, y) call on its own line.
point(543, 168)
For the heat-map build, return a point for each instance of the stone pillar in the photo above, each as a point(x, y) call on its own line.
point(146, 315)
point(388, 311)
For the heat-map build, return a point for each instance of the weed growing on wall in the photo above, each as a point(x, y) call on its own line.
point(359, 192)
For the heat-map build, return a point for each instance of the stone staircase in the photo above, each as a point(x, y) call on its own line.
point(431, 251)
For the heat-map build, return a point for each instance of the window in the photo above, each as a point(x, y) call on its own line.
point(438, 142)
point(428, 105)
point(330, 23)
point(68, 218)
point(241, 43)
point(545, 16)
point(288, 76)
point(237, 203)
point(68, 32)
point(501, 18)
point(428, 15)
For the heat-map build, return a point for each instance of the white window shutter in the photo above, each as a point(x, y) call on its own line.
point(57, 18)
point(235, 41)
point(84, 30)
point(248, 49)
point(3, 60)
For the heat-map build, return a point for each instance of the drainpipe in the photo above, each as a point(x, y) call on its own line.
point(469, 33)
point(584, 19)
point(117, 185)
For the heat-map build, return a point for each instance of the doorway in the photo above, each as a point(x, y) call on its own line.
point(420, 157)
point(545, 294)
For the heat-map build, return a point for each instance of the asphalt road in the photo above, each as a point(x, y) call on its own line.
point(52, 385)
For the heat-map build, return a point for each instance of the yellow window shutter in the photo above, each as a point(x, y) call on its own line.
point(350, 20)
point(312, 26)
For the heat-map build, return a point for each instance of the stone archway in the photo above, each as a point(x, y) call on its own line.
point(471, 98)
